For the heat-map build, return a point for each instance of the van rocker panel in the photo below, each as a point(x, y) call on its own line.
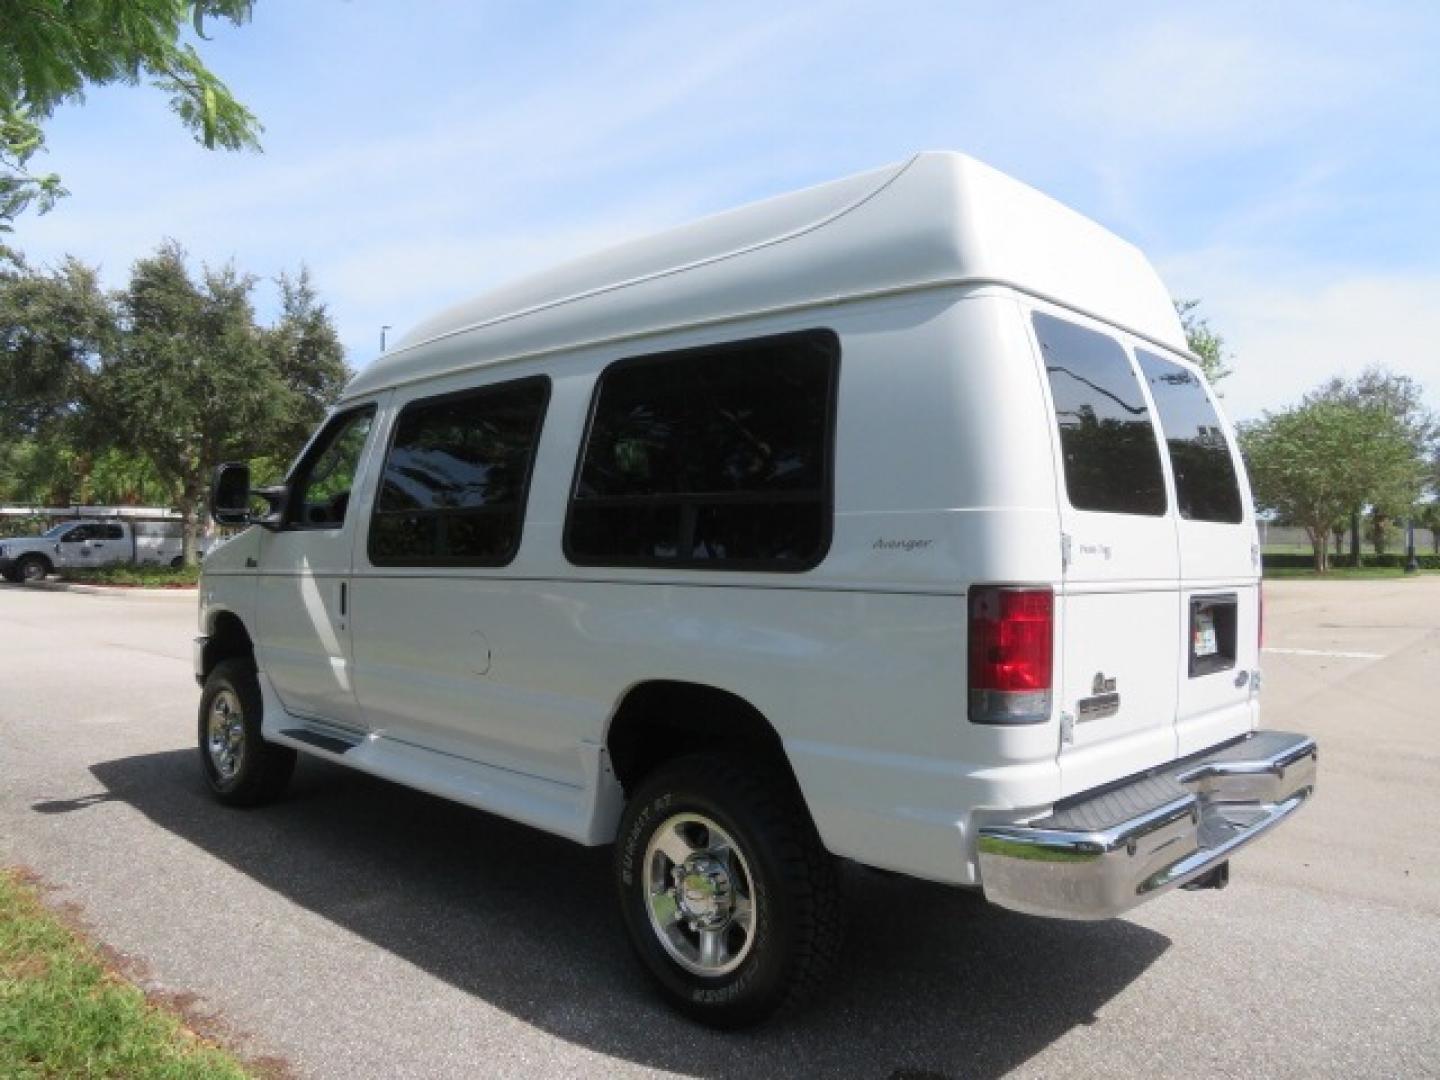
point(1100, 854)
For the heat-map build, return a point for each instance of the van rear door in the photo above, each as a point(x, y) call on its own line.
point(1116, 654)
point(1219, 590)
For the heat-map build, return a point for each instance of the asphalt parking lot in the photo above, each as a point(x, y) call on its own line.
point(361, 930)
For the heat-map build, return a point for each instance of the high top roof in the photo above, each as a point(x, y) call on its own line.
point(937, 219)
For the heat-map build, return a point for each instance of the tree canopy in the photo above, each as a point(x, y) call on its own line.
point(54, 325)
point(1315, 463)
point(138, 395)
point(51, 50)
point(1404, 399)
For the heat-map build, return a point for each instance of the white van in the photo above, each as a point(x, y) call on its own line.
point(889, 521)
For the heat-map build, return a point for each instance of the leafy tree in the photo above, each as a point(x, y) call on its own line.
point(135, 397)
point(56, 469)
point(53, 327)
point(195, 381)
point(191, 384)
point(1204, 342)
point(1314, 462)
point(1404, 399)
point(309, 359)
point(40, 469)
point(116, 478)
point(51, 50)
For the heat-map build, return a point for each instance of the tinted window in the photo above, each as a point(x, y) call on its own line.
point(456, 477)
point(1206, 488)
point(716, 458)
point(114, 532)
point(1112, 462)
point(320, 491)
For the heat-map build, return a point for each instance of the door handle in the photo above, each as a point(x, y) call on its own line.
point(250, 562)
point(344, 593)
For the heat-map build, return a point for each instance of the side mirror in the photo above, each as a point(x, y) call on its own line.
point(230, 494)
point(231, 498)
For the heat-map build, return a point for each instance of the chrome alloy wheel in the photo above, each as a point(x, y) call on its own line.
point(33, 570)
point(226, 738)
point(700, 895)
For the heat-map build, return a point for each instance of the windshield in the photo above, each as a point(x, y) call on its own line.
point(56, 530)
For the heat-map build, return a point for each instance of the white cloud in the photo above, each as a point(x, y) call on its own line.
point(1292, 326)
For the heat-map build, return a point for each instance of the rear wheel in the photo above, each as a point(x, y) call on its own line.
point(177, 562)
point(241, 768)
point(32, 568)
point(729, 898)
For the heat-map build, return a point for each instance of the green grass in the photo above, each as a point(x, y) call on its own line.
point(63, 1013)
point(1346, 573)
point(150, 577)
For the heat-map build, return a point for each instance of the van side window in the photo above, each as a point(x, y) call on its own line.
point(1112, 461)
point(457, 476)
point(320, 490)
point(716, 458)
point(1206, 488)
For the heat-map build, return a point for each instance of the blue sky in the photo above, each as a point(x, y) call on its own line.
point(1279, 161)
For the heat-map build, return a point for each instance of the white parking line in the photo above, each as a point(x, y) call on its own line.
point(1327, 652)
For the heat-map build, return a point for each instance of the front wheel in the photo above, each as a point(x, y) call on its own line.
point(241, 768)
point(729, 899)
point(32, 568)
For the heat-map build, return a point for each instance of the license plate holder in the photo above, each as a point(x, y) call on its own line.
point(1213, 625)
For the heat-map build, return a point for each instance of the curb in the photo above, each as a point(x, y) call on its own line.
point(133, 592)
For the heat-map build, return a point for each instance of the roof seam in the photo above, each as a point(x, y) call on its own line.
point(759, 313)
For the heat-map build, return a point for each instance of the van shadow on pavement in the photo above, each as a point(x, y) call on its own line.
point(934, 983)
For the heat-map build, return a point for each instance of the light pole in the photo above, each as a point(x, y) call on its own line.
point(382, 336)
point(1412, 564)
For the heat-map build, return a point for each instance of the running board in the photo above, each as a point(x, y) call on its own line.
point(332, 743)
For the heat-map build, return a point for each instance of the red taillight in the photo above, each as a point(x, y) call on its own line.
point(1012, 634)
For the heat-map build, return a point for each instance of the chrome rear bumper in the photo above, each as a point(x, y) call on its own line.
point(1097, 856)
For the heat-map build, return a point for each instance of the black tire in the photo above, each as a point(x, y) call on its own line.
point(32, 568)
point(12, 575)
point(798, 913)
point(177, 562)
point(260, 770)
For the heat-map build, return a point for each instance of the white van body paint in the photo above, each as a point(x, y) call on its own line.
point(495, 687)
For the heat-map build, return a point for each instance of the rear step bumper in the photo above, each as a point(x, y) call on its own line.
point(1101, 853)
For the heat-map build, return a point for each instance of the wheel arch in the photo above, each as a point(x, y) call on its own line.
point(658, 720)
point(227, 637)
point(34, 555)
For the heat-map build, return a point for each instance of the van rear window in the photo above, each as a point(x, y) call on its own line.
point(1206, 487)
point(1112, 461)
point(715, 458)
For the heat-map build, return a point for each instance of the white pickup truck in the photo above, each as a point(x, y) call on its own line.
point(73, 544)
